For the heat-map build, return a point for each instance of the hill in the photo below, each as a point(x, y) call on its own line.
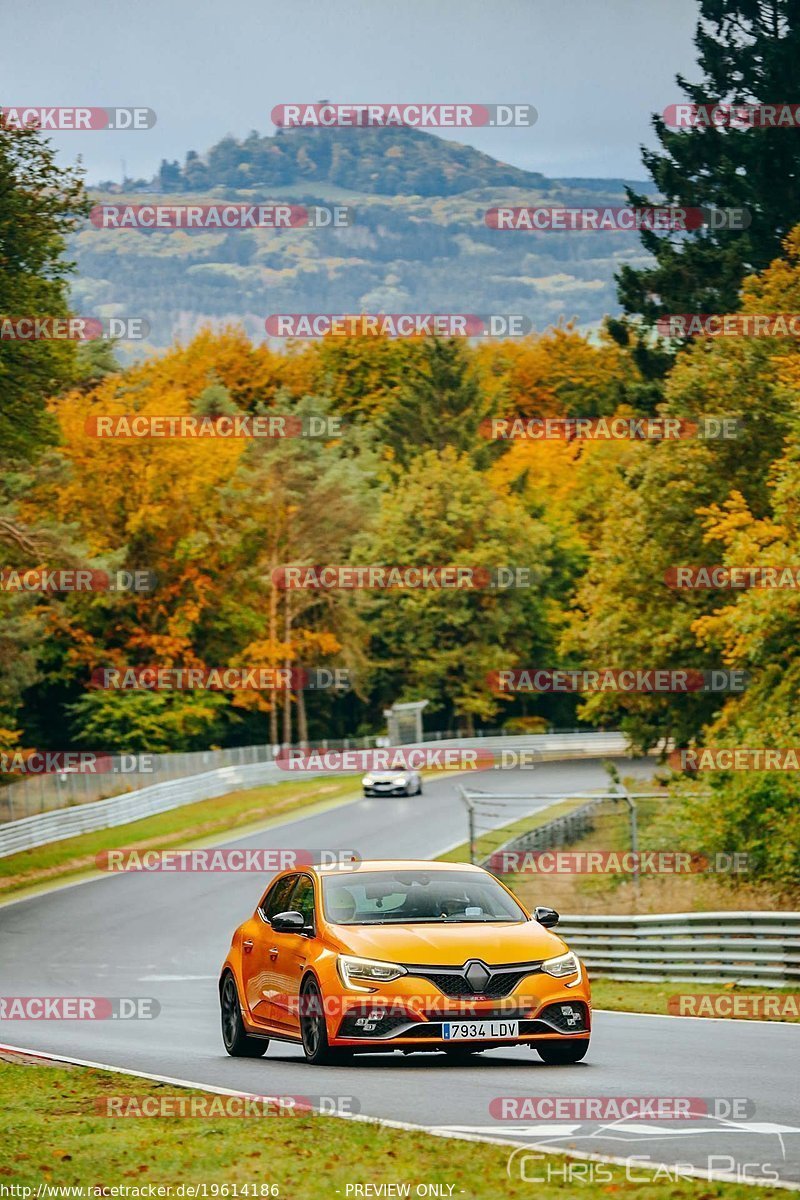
point(418, 242)
point(387, 162)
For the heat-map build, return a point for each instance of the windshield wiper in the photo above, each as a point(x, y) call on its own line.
point(436, 921)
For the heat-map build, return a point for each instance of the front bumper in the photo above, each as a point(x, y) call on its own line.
point(414, 1011)
point(396, 1028)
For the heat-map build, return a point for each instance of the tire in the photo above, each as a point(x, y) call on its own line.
point(236, 1040)
point(313, 1030)
point(419, 789)
point(560, 1053)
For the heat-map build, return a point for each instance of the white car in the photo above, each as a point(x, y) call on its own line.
point(392, 783)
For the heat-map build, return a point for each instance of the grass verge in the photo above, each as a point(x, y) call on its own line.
point(73, 857)
point(647, 997)
point(609, 892)
point(606, 893)
point(60, 1138)
point(489, 842)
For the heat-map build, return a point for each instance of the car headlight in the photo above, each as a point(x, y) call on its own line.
point(559, 968)
point(401, 781)
point(355, 972)
point(367, 781)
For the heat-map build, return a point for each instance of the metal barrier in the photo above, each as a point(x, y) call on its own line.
point(41, 793)
point(561, 831)
point(132, 806)
point(47, 827)
point(759, 949)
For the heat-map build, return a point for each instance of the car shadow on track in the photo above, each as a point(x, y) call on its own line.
point(425, 1062)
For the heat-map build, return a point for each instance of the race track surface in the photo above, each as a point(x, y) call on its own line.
point(164, 936)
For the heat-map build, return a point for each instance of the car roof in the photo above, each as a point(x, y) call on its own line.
point(392, 864)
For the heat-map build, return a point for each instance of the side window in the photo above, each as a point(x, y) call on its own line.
point(302, 899)
point(276, 899)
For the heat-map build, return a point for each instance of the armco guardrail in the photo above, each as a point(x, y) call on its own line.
point(61, 823)
point(131, 806)
point(561, 831)
point(759, 949)
point(40, 793)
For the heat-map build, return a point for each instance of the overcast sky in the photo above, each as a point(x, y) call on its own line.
point(594, 69)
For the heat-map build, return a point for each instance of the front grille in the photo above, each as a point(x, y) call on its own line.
point(453, 982)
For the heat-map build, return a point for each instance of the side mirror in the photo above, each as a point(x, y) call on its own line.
point(545, 916)
point(288, 922)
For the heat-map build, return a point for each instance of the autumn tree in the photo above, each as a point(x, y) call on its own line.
point(443, 644)
point(40, 205)
point(625, 614)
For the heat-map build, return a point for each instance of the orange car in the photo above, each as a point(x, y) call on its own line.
point(401, 955)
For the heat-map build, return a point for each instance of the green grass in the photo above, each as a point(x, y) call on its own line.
point(192, 823)
point(575, 894)
point(648, 997)
point(494, 838)
point(60, 1138)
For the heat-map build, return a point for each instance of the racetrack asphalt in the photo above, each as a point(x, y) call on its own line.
point(165, 935)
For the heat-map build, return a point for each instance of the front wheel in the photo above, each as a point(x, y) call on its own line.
point(238, 1041)
point(558, 1053)
point(313, 1030)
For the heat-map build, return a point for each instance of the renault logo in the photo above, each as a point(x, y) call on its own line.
point(477, 975)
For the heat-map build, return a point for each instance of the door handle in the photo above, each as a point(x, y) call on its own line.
point(247, 945)
point(273, 952)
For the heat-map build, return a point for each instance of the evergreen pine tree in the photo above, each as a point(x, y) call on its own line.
point(748, 51)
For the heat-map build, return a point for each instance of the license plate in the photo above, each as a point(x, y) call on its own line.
point(479, 1030)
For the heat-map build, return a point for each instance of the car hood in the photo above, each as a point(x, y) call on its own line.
point(387, 776)
point(450, 945)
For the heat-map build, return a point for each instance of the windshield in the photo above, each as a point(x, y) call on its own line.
point(416, 897)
